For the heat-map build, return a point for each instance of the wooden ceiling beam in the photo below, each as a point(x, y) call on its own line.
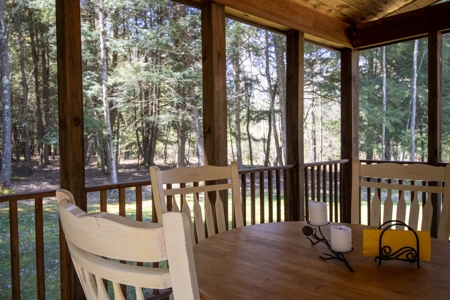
point(287, 15)
point(403, 26)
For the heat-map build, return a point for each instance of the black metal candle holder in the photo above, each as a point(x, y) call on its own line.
point(309, 231)
point(410, 254)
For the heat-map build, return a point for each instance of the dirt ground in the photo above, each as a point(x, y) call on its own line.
point(47, 178)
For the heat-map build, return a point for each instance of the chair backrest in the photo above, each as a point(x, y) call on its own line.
point(394, 187)
point(196, 186)
point(98, 242)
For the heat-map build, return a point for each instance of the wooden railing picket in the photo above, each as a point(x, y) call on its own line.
point(103, 201)
point(14, 240)
point(139, 203)
point(270, 195)
point(244, 197)
point(278, 191)
point(39, 229)
point(253, 198)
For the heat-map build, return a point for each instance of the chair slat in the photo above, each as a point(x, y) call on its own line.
point(427, 215)
point(220, 213)
point(118, 295)
point(102, 292)
point(401, 209)
point(175, 205)
point(388, 207)
point(199, 227)
point(375, 213)
point(186, 209)
point(89, 282)
point(209, 216)
point(414, 208)
point(139, 293)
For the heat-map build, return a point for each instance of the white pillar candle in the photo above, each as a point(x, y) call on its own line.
point(341, 238)
point(318, 213)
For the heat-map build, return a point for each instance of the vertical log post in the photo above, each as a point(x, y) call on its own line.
point(435, 113)
point(349, 124)
point(214, 88)
point(71, 141)
point(295, 179)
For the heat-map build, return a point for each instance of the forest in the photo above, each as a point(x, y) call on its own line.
point(142, 83)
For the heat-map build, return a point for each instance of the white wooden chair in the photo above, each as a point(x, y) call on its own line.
point(97, 241)
point(197, 183)
point(409, 184)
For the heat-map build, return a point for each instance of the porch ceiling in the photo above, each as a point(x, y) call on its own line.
point(354, 12)
point(333, 23)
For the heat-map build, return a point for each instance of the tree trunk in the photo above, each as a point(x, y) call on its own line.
point(106, 113)
point(237, 101)
point(26, 134)
point(5, 168)
point(153, 126)
point(271, 93)
point(16, 140)
point(198, 131)
point(278, 148)
point(281, 76)
point(181, 137)
point(35, 57)
point(117, 137)
point(46, 98)
point(313, 134)
point(413, 101)
point(247, 128)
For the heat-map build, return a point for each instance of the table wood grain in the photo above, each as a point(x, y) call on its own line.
point(276, 261)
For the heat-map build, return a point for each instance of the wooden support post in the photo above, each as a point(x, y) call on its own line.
point(435, 113)
point(71, 135)
point(214, 87)
point(349, 124)
point(214, 84)
point(295, 181)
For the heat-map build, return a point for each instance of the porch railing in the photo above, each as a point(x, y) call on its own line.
point(323, 183)
point(262, 188)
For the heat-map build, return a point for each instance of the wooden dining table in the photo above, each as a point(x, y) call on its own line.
point(276, 261)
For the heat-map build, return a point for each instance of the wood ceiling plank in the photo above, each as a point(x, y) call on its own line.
point(357, 11)
point(413, 5)
point(296, 16)
point(342, 11)
point(404, 26)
